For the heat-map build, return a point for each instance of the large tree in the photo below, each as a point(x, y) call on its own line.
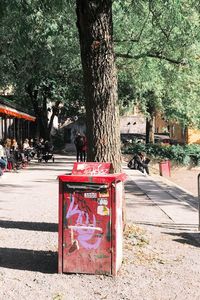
point(100, 81)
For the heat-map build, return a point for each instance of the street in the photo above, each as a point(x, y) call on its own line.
point(161, 248)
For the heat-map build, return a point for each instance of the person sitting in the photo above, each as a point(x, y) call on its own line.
point(3, 162)
point(139, 162)
point(27, 149)
point(16, 153)
point(10, 154)
point(48, 148)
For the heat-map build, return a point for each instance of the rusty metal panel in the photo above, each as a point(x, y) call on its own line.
point(117, 227)
point(87, 231)
point(60, 228)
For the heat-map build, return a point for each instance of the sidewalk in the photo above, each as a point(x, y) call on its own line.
point(161, 257)
point(179, 205)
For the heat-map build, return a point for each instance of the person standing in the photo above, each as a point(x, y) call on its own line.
point(79, 143)
point(84, 148)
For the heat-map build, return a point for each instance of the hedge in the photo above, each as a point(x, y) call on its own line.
point(183, 155)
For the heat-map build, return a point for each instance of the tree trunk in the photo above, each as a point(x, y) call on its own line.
point(55, 111)
point(94, 21)
point(150, 129)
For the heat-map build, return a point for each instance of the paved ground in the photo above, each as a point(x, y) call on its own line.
point(161, 245)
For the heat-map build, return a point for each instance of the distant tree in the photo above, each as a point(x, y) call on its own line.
point(39, 55)
point(160, 52)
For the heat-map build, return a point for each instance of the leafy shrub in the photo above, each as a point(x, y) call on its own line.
point(183, 155)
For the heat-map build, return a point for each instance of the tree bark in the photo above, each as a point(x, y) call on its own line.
point(55, 111)
point(150, 129)
point(94, 21)
point(41, 114)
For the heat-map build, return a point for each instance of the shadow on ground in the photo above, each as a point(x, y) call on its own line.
point(34, 226)
point(186, 238)
point(171, 225)
point(29, 260)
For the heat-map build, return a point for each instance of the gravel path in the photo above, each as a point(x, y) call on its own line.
point(161, 260)
point(186, 178)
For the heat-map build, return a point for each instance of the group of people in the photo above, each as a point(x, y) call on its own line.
point(139, 161)
point(80, 142)
point(15, 155)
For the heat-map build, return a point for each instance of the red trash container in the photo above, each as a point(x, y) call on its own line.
point(90, 220)
point(164, 167)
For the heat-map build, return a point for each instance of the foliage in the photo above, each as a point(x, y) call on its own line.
point(160, 52)
point(157, 53)
point(184, 155)
point(58, 141)
point(40, 55)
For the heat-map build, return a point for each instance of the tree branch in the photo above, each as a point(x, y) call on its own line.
point(152, 55)
point(137, 39)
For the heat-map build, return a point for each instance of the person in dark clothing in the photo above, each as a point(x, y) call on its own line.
point(84, 148)
point(79, 143)
point(139, 162)
point(48, 147)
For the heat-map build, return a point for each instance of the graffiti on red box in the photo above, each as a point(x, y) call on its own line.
point(82, 222)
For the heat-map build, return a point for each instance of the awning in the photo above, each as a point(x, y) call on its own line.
point(15, 113)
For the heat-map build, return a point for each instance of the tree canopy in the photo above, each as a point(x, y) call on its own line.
point(40, 56)
point(157, 52)
point(157, 44)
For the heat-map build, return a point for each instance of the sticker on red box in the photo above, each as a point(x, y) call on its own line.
point(103, 210)
point(102, 201)
point(90, 195)
point(104, 194)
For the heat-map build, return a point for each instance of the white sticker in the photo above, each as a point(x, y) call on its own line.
point(80, 167)
point(103, 210)
point(90, 195)
point(102, 201)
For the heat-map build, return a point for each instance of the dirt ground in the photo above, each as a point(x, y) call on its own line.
point(161, 260)
point(186, 178)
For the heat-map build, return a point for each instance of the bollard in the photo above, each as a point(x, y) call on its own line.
point(164, 167)
point(199, 199)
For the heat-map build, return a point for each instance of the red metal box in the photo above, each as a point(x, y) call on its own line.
point(164, 167)
point(90, 223)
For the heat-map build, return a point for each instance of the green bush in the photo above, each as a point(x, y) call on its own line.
point(183, 155)
point(58, 141)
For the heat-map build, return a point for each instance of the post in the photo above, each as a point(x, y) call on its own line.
point(199, 199)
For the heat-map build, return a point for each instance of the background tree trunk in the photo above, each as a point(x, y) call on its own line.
point(94, 21)
point(150, 129)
